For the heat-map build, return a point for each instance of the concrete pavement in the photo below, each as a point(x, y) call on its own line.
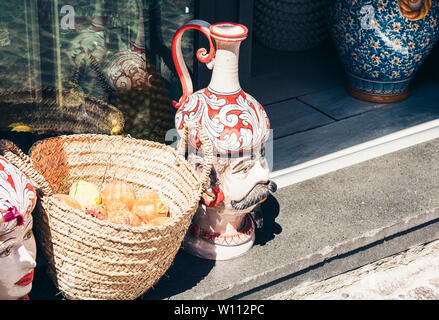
point(410, 275)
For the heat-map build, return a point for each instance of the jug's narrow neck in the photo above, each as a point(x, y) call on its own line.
point(228, 37)
point(225, 74)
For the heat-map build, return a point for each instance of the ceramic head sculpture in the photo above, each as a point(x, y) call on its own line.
point(238, 126)
point(17, 243)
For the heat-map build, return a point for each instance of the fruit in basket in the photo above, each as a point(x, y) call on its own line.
point(68, 200)
point(150, 205)
point(97, 211)
point(124, 216)
point(118, 195)
point(160, 221)
point(85, 193)
point(20, 127)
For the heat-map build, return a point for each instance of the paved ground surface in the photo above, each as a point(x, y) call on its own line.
point(410, 275)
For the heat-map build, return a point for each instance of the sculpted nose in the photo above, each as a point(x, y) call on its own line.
point(25, 258)
point(261, 172)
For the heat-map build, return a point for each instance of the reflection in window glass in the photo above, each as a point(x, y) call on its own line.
point(19, 45)
point(91, 66)
point(168, 16)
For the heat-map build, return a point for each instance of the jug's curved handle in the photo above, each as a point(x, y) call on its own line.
point(202, 55)
point(415, 9)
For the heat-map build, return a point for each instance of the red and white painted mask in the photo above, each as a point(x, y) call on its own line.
point(17, 243)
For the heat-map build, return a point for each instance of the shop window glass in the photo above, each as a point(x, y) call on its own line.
point(72, 53)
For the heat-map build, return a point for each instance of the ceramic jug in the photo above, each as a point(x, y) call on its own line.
point(224, 224)
point(383, 43)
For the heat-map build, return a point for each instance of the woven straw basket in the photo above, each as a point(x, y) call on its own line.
point(93, 259)
point(52, 111)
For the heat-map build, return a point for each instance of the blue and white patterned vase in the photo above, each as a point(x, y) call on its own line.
point(382, 44)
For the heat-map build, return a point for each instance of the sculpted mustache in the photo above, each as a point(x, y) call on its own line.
point(260, 192)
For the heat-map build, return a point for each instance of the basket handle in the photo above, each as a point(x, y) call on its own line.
point(24, 163)
point(206, 145)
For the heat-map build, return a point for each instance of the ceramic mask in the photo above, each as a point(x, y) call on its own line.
point(238, 126)
point(17, 243)
point(383, 43)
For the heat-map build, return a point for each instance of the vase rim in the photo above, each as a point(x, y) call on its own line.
point(228, 31)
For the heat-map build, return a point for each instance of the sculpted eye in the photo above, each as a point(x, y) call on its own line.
point(5, 252)
point(28, 235)
point(243, 169)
